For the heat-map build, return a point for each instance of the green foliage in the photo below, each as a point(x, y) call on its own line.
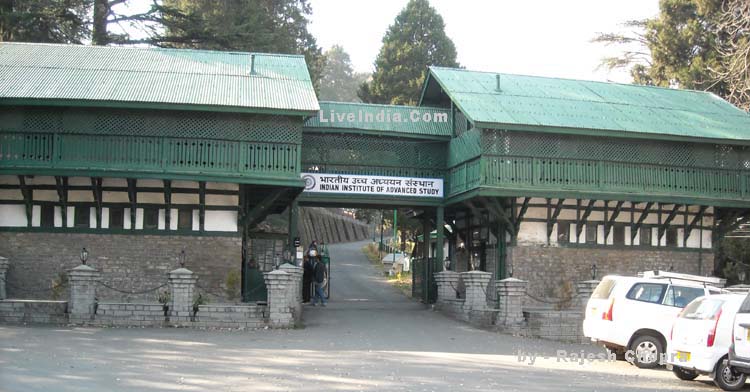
point(415, 41)
point(50, 21)
point(736, 253)
point(339, 82)
point(164, 297)
point(232, 289)
point(59, 285)
point(272, 26)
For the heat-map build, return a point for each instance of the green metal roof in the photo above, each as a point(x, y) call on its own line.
point(126, 77)
point(408, 121)
point(586, 107)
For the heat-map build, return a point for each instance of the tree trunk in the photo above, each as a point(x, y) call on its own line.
point(99, 35)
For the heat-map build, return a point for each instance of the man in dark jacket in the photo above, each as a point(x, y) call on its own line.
point(307, 278)
point(320, 279)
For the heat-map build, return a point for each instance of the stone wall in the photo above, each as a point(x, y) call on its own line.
point(128, 262)
point(33, 312)
point(553, 271)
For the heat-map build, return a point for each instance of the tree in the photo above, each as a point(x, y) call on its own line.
point(50, 21)
point(415, 41)
point(275, 26)
point(339, 82)
point(733, 28)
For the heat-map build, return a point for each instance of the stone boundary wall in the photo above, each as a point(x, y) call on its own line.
point(558, 325)
point(329, 227)
point(552, 271)
point(13, 311)
point(128, 262)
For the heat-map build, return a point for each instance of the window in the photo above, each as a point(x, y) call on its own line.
point(672, 236)
point(645, 235)
point(647, 292)
point(618, 234)
point(150, 218)
point(680, 296)
point(591, 232)
point(604, 289)
point(703, 309)
point(47, 216)
point(563, 232)
point(184, 219)
point(116, 217)
point(745, 308)
point(82, 217)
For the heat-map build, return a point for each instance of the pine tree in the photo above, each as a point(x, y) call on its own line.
point(339, 82)
point(51, 21)
point(415, 41)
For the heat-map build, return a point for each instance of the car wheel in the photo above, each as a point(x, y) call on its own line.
point(647, 350)
point(684, 374)
point(728, 378)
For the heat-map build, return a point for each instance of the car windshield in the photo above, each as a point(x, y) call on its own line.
point(702, 309)
point(604, 289)
point(680, 296)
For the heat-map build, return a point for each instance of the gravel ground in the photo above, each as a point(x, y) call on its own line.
point(369, 338)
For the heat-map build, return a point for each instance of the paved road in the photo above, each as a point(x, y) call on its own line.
point(370, 338)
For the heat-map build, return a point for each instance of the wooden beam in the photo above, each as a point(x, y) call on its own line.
point(259, 211)
point(496, 209)
point(693, 223)
point(96, 190)
point(584, 218)
point(61, 183)
point(168, 204)
point(646, 212)
point(664, 225)
point(133, 198)
point(28, 199)
point(202, 203)
point(553, 218)
point(611, 221)
point(519, 217)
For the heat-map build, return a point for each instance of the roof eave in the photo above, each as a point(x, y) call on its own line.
point(605, 132)
point(156, 106)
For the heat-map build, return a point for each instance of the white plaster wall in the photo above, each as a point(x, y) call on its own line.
point(105, 218)
point(9, 180)
point(115, 197)
point(600, 235)
point(84, 181)
point(92, 217)
point(162, 220)
point(222, 200)
point(36, 216)
point(42, 195)
point(86, 196)
point(184, 198)
point(139, 218)
point(707, 239)
point(12, 194)
point(533, 232)
point(573, 234)
point(126, 223)
point(114, 182)
point(71, 216)
point(173, 217)
point(184, 184)
point(221, 221)
point(222, 185)
point(151, 197)
point(196, 220)
point(628, 233)
point(12, 215)
point(58, 217)
point(149, 183)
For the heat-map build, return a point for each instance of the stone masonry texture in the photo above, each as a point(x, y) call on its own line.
point(127, 262)
point(552, 272)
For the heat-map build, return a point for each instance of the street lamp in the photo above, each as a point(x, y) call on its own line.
point(593, 271)
point(742, 275)
point(183, 258)
point(84, 256)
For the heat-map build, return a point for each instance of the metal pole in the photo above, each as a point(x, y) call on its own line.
point(395, 233)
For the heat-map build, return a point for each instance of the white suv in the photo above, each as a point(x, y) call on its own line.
point(633, 316)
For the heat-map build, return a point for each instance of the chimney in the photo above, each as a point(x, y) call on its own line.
point(252, 64)
point(497, 79)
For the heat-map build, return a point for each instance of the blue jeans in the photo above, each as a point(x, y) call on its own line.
point(319, 294)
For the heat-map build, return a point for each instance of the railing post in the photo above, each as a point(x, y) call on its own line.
point(510, 294)
point(83, 280)
point(476, 283)
point(182, 285)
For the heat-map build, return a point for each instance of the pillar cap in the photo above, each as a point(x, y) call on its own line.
point(83, 268)
point(181, 271)
point(590, 281)
point(512, 280)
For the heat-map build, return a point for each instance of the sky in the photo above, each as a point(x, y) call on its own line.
point(530, 37)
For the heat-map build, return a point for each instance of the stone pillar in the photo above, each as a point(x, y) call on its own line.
point(295, 300)
point(83, 281)
point(182, 289)
point(280, 287)
point(4, 264)
point(476, 285)
point(447, 283)
point(584, 289)
point(510, 294)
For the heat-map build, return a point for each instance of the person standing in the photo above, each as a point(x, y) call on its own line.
point(320, 279)
point(307, 278)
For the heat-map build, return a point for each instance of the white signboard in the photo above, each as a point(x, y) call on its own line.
point(373, 185)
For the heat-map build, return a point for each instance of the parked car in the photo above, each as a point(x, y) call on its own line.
point(700, 340)
point(633, 316)
point(737, 366)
